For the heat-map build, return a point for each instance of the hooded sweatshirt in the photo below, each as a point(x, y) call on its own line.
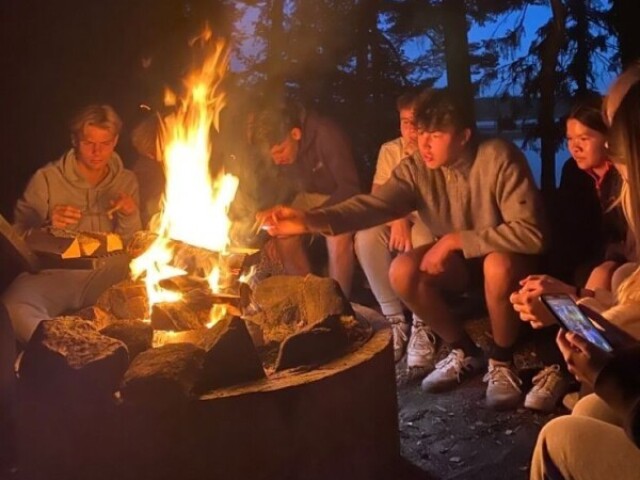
point(59, 183)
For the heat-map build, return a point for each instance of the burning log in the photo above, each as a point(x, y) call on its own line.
point(194, 260)
point(164, 376)
point(67, 355)
point(125, 300)
point(135, 334)
point(176, 316)
point(230, 356)
point(96, 315)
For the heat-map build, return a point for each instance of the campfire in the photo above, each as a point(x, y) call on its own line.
point(154, 367)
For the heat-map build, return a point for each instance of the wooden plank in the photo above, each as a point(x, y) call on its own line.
point(13, 243)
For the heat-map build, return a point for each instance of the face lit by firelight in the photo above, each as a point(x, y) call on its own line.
point(94, 148)
point(587, 146)
point(285, 152)
point(439, 147)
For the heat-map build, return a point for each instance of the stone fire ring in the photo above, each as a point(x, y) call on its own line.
point(338, 421)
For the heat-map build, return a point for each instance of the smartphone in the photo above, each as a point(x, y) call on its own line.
point(569, 315)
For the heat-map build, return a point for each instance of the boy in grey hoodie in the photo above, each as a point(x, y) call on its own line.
point(75, 192)
point(479, 200)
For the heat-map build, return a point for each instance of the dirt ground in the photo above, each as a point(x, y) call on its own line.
point(454, 435)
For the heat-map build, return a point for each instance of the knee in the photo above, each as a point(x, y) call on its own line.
point(502, 271)
point(403, 274)
point(593, 406)
point(370, 239)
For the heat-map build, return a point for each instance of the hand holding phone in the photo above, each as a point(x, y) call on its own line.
point(569, 315)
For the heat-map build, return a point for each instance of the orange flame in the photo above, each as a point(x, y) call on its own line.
point(195, 205)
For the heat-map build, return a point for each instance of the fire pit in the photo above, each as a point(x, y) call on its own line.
point(335, 421)
point(173, 374)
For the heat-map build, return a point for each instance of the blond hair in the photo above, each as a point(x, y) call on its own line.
point(622, 110)
point(101, 116)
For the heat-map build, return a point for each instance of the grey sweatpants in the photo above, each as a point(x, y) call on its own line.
point(372, 250)
point(33, 297)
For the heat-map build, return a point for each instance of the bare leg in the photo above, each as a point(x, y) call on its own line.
point(502, 271)
point(293, 255)
point(341, 260)
point(422, 292)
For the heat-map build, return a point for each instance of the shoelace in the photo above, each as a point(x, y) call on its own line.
point(502, 374)
point(454, 360)
point(423, 338)
point(545, 380)
point(398, 331)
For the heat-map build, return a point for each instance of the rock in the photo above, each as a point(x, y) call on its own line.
point(96, 315)
point(163, 377)
point(230, 355)
point(317, 344)
point(68, 356)
point(290, 304)
point(135, 334)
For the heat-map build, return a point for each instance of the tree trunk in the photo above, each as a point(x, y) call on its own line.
point(581, 63)
point(549, 51)
point(456, 46)
point(623, 12)
point(275, 48)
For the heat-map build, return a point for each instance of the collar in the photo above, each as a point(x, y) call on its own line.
point(403, 147)
point(600, 180)
point(462, 164)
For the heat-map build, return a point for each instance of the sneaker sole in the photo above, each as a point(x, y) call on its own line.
point(500, 406)
point(415, 361)
point(534, 405)
point(440, 388)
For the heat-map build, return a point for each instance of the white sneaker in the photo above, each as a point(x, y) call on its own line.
point(400, 331)
point(421, 351)
point(452, 370)
point(503, 386)
point(548, 387)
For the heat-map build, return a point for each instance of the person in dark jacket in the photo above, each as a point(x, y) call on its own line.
point(601, 438)
point(316, 156)
point(589, 222)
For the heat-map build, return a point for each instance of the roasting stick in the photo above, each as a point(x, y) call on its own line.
point(113, 210)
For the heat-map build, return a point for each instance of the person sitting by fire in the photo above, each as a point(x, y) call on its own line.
point(146, 139)
point(316, 156)
point(479, 199)
point(87, 189)
point(375, 246)
point(590, 229)
point(601, 437)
